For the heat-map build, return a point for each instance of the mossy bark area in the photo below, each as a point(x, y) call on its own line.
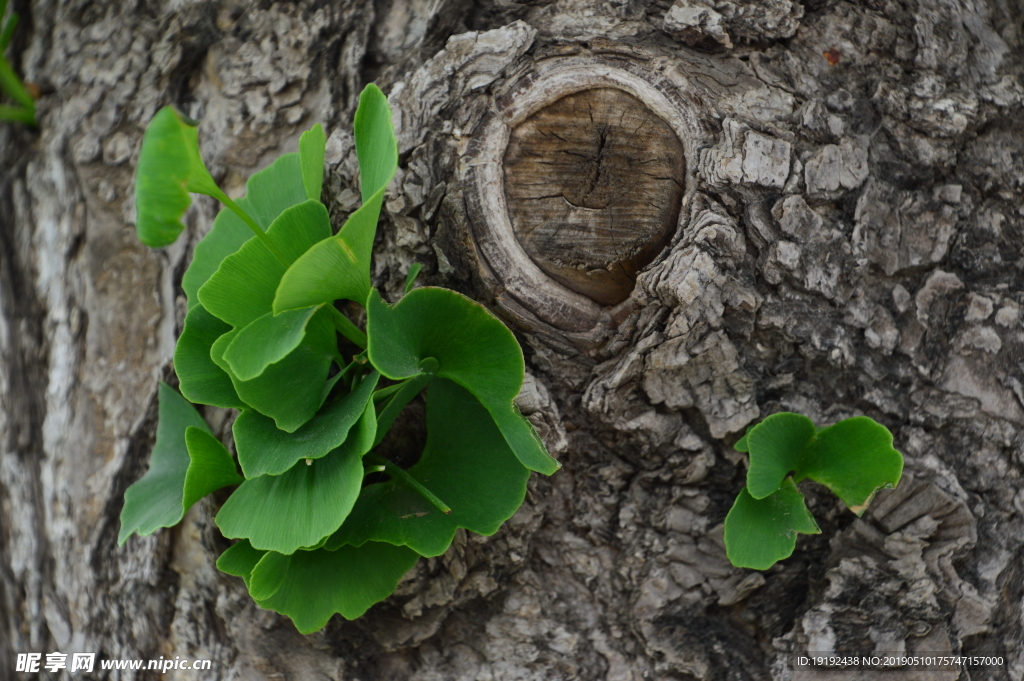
point(838, 232)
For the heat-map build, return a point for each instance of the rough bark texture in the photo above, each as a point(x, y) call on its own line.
point(851, 242)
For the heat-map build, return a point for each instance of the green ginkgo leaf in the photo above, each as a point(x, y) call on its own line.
point(339, 267)
point(311, 156)
point(761, 532)
point(291, 390)
point(169, 168)
point(471, 347)
point(778, 446)
point(154, 501)
point(300, 507)
point(268, 193)
point(466, 463)
point(854, 458)
point(268, 575)
point(265, 341)
point(265, 450)
point(242, 289)
point(239, 560)
point(210, 466)
point(201, 380)
point(317, 584)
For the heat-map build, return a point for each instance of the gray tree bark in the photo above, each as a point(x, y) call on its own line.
point(850, 241)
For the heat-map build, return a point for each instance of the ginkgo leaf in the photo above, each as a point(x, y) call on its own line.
point(339, 267)
point(291, 390)
point(268, 575)
point(268, 193)
point(778, 446)
point(210, 466)
point(311, 156)
point(466, 463)
point(154, 501)
point(317, 584)
point(169, 168)
point(201, 380)
point(761, 532)
point(266, 340)
point(239, 560)
point(471, 347)
point(854, 458)
point(242, 289)
point(265, 450)
point(376, 146)
point(300, 507)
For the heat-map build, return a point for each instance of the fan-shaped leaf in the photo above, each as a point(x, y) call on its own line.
point(265, 450)
point(471, 346)
point(211, 466)
point(317, 584)
point(311, 156)
point(242, 289)
point(376, 146)
point(298, 508)
point(778, 446)
point(268, 193)
point(239, 560)
point(266, 340)
point(268, 575)
point(155, 500)
point(202, 381)
point(169, 168)
point(289, 391)
point(466, 463)
point(761, 532)
point(339, 267)
point(855, 458)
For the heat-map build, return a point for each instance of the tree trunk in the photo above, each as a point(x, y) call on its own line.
point(836, 227)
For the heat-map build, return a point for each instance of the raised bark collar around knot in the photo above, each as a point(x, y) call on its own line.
point(576, 181)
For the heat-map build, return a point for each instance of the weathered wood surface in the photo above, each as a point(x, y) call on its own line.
point(850, 242)
point(594, 183)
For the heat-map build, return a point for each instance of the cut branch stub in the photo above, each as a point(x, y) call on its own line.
point(594, 184)
point(578, 178)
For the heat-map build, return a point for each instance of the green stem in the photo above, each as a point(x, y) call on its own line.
point(346, 328)
point(399, 474)
point(17, 114)
point(8, 30)
point(223, 198)
point(384, 393)
point(409, 388)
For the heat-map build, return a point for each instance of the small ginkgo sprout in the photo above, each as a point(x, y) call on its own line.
point(854, 458)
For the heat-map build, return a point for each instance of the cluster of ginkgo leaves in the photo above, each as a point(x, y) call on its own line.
point(854, 458)
point(316, 535)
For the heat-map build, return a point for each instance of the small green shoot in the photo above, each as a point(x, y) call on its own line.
point(854, 458)
point(24, 111)
point(317, 534)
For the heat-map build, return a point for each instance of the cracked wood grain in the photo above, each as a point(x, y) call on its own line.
point(594, 184)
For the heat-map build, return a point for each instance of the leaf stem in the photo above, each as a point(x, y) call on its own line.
point(409, 388)
point(399, 474)
point(346, 328)
point(17, 114)
point(223, 198)
point(8, 30)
